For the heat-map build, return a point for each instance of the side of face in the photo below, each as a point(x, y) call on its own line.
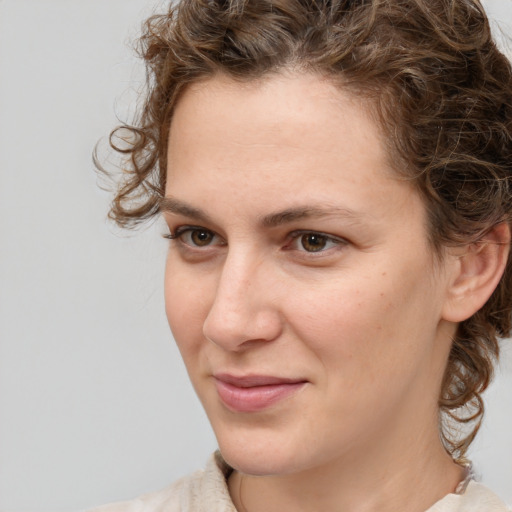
point(299, 258)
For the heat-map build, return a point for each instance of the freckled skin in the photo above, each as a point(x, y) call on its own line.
point(361, 321)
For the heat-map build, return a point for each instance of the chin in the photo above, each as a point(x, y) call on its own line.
point(256, 462)
point(261, 454)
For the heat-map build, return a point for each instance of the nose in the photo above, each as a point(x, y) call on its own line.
point(244, 310)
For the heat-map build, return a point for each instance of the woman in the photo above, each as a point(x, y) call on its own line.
point(336, 178)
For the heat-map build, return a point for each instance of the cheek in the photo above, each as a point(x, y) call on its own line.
point(338, 311)
point(185, 305)
point(363, 326)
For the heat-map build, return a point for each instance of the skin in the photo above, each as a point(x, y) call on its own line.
point(366, 321)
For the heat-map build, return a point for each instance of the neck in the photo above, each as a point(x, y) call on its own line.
point(381, 478)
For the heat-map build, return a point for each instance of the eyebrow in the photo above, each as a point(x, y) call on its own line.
point(307, 212)
point(176, 206)
point(173, 205)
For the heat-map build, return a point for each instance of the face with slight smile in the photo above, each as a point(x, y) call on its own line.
point(300, 286)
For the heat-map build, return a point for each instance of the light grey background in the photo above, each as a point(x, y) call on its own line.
point(95, 405)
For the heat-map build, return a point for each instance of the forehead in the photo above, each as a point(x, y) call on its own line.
point(286, 110)
point(280, 143)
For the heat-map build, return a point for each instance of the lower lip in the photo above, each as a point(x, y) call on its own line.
point(255, 398)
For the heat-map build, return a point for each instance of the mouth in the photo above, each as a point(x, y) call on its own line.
point(253, 393)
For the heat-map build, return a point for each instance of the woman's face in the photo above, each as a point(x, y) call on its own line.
point(300, 286)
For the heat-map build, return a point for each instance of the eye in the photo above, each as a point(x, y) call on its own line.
point(198, 237)
point(195, 236)
point(311, 241)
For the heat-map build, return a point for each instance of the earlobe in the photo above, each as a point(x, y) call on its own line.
point(476, 274)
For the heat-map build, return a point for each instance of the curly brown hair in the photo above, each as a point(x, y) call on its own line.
point(438, 86)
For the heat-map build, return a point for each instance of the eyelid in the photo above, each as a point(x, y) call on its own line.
point(294, 236)
point(178, 233)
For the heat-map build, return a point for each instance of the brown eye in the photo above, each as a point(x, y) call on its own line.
point(200, 237)
point(313, 242)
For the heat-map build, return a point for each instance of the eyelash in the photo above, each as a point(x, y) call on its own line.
point(293, 237)
point(182, 230)
point(298, 237)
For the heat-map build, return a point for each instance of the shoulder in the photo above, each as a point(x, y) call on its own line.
point(203, 491)
point(476, 498)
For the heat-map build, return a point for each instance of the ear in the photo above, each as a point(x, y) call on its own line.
point(476, 272)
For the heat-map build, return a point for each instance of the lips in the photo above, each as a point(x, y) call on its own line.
point(254, 393)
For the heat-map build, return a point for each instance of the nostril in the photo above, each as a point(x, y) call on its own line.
point(225, 328)
point(241, 329)
point(242, 311)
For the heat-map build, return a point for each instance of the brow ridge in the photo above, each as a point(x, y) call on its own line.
point(306, 212)
point(176, 206)
point(173, 205)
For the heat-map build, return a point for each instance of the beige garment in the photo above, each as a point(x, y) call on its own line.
point(206, 491)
